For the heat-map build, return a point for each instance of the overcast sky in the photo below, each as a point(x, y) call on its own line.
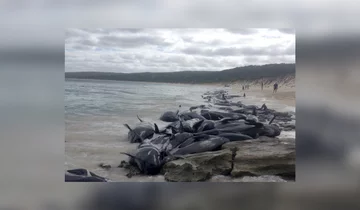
point(164, 50)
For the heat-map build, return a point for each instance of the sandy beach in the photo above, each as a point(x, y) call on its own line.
point(284, 95)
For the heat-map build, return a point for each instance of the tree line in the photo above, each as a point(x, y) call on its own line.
point(193, 77)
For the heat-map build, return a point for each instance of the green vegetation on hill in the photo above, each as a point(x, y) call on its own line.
point(229, 75)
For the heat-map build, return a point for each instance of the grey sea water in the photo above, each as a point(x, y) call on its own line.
point(95, 111)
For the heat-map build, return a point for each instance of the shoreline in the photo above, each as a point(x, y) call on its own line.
point(286, 94)
point(215, 84)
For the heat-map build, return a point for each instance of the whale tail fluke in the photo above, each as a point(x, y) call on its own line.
point(156, 128)
point(128, 127)
point(139, 118)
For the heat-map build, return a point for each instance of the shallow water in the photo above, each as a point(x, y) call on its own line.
point(95, 112)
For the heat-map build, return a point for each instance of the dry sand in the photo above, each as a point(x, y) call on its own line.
point(285, 94)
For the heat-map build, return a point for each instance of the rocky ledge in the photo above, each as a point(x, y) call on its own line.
point(263, 156)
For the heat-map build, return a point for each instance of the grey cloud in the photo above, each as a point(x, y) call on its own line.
point(131, 30)
point(272, 50)
point(193, 51)
point(258, 51)
point(95, 30)
point(224, 51)
point(86, 32)
point(279, 59)
point(212, 42)
point(131, 41)
point(81, 47)
point(105, 31)
point(251, 59)
point(187, 39)
point(246, 31)
point(177, 58)
point(87, 42)
point(216, 42)
point(287, 30)
point(240, 51)
point(108, 57)
point(130, 56)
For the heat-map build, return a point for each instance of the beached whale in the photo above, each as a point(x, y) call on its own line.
point(214, 115)
point(270, 130)
point(229, 109)
point(220, 125)
point(190, 132)
point(148, 158)
point(170, 116)
point(153, 153)
point(232, 96)
point(191, 126)
point(158, 140)
point(82, 175)
point(242, 111)
point(197, 107)
point(251, 130)
point(238, 104)
point(207, 143)
point(191, 115)
point(206, 125)
point(209, 115)
point(177, 140)
point(222, 103)
point(211, 124)
point(140, 132)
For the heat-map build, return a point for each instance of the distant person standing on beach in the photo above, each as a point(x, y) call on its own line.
point(262, 85)
point(275, 87)
point(243, 87)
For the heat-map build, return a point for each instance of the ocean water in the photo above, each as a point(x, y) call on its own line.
point(106, 105)
point(96, 111)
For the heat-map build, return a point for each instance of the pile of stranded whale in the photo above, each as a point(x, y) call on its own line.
point(193, 132)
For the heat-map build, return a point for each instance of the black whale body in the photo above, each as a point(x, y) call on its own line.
point(82, 175)
point(191, 133)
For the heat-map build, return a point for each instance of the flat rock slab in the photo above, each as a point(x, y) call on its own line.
point(265, 178)
point(265, 156)
point(199, 167)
